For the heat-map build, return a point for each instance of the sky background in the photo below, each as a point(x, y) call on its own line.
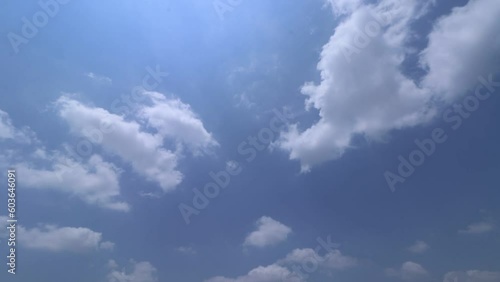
point(113, 215)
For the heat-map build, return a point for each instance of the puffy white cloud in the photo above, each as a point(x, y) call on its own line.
point(174, 119)
point(292, 267)
point(140, 272)
point(94, 181)
point(333, 260)
point(269, 232)
point(478, 228)
point(124, 138)
point(462, 46)
point(472, 276)
point(419, 247)
point(336, 260)
point(61, 239)
point(363, 90)
point(270, 273)
point(298, 256)
point(360, 93)
point(408, 271)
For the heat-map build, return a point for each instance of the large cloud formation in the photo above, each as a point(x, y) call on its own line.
point(363, 90)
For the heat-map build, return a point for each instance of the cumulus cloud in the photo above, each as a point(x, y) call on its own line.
point(462, 46)
point(336, 260)
point(361, 93)
point(125, 139)
point(333, 260)
point(408, 271)
point(269, 232)
point(472, 276)
point(63, 171)
point(271, 273)
point(175, 119)
point(286, 269)
point(95, 181)
point(419, 247)
point(62, 239)
point(478, 228)
point(363, 90)
point(139, 272)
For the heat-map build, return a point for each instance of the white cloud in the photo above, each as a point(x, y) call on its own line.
point(140, 272)
point(333, 260)
point(124, 138)
point(336, 260)
point(6, 128)
point(298, 256)
point(8, 131)
point(271, 273)
point(174, 119)
point(408, 271)
point(186, 250)
point(95, 181)
point(478, 228)
point(419, 247)
point(461, 47)
point(472, 276)
point(269, 232)
point(283, 269)
point(366, 93)
point(344, 6)
point(107, 246)
point(62, 173)
point(61, 239)
point(99, 78)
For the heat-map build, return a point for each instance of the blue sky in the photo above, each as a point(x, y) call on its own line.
point(351, 140)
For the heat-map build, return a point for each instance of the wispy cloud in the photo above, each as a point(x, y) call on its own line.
point(269, 232)
point(101, 79)
point(419, 247)
point(478, 228)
